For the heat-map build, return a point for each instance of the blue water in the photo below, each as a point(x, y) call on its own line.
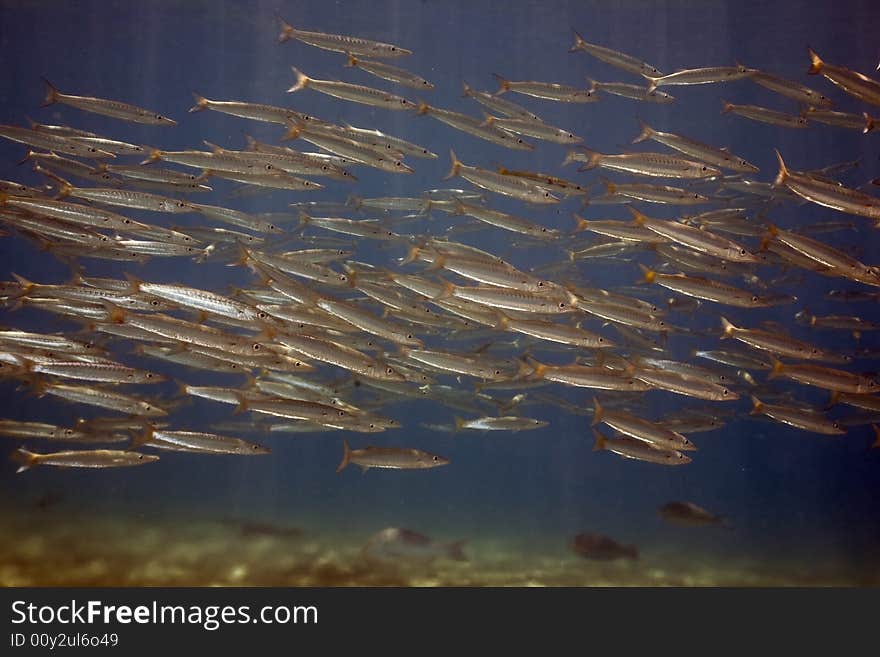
point(789, 494)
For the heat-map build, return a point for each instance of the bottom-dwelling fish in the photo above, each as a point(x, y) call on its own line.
point(399, 543)
point(602, 548)
point(395, 458)
point(688, 514)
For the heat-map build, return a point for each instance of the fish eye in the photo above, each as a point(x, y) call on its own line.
point(262, 315)
point(389, 370)
point(149, 375)
point(755, 298)
point(662, 323)
point(435, 459)
point(742, 251)
point(372, 425)
point(340, 413)
point(601, 340)
point(256, 346)
point(704, 169)
point(725, 392)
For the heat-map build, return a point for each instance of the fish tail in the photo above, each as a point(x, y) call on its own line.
point(293, 131)
point(422, 108)
point(25, 286)
point(726, 106)
point(537, 368)
point(455, 550)
point(304, 220)
point(727, 327)
point(243, 405)
point(503, 84)
point(816, 62)
point(302, 80)
point(459, 424)
point(580, 223)
point(593, 162)
point(598, 412)
point(569, 157)
point(142, 438)
point(638, 218)
point(646, 132)
point(869, 123)
point(286, 33)
point(601, 441)
point(351, 60)
point(579, 42)
point(757, 406)
point(648, 275)
point(134, 283)
point(346, 457)
point(154, 156)
point(652, 85)
point(25, 459)
point(448, 291)
point(778, 369)
point(783, 171)
point(876, 443)
point(412, 255)
point(52, 94)
point(455, 167)
point(466, 91)
point(201, 103)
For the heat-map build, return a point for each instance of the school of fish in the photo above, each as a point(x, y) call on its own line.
point(321, 341)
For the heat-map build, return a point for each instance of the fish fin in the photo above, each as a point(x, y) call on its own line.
point(816, 62)
point(243, 404)
point(598, 412)
point(351, 60)
point(489, 120)
point(142, 438)
point(783, 171)
point(422, 108)
point(646, 132)
point(726, 106)
point(648, 275)
point(52, 94)
point(638, 217)
point(579, 42)
point(304, 219)
point(448, 291)
point(833, 399)
point(757, 406)
point(466, 91)
point(346, 457)
point(503, 84)
point(201, 103)
point(876, 443)
point(728, 328)
point(134, 283)
point(652, 84)
point(25, 285)
point(593, 162)
point(302, 80)
point(580, 224)
point(778, 368)
point(869, 123)
point(455, 551)
point(455, 166)
point(25, 459)
point(154, 156)
point(600, 443)
point(459, 424)
point(287, 29)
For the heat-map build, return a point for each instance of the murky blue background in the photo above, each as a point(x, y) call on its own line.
point(787, 492)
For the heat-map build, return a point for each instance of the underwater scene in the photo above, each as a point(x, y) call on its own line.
point(406, 293)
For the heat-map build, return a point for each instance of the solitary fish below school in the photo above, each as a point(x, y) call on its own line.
point(602, 548)
point(688, 514)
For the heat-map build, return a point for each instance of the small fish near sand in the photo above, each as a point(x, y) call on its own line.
point(393, 543)
point(688, 514)
point(597, 547)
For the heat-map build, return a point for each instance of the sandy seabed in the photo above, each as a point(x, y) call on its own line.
point(49, 548)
